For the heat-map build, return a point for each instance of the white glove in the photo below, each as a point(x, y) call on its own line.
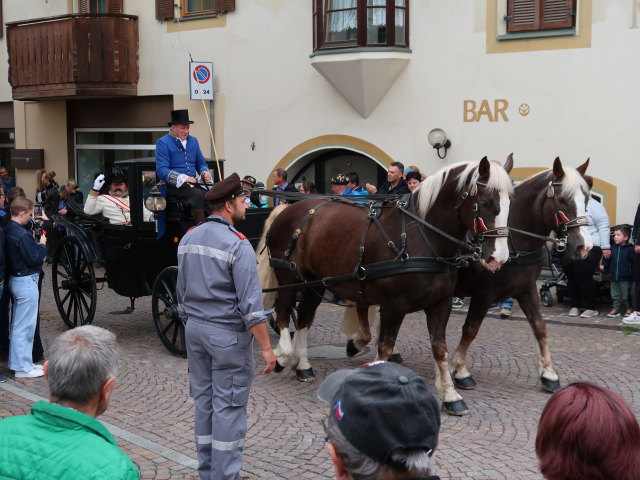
point(98, 182)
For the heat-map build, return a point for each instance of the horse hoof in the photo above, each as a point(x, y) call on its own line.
point(549, 385)
point(351, 349)
point(395, 358)
point(278, 368)
point(457, 408)
point(306, 375)
point(467, 383)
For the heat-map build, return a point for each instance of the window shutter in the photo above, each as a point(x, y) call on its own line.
point(522, 15)
point(83, 6)
point(164, 9)
point(532, 15)
point(115, 6)
point(558, 14)
point(224, 5)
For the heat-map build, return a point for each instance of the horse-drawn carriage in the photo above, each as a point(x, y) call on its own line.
point(130, 259)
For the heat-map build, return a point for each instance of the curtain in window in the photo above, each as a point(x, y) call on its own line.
point(342, 25)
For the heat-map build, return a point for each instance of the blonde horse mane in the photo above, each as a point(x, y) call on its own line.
point(429, 189)
point(265, 272)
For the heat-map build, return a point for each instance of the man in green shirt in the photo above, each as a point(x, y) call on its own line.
point(63, 439)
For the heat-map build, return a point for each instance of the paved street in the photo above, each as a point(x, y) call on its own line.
point(152, 415)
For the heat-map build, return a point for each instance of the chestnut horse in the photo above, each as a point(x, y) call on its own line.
point(552, 201)
point(403, 259)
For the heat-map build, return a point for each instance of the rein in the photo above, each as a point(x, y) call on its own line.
point(402, 264)
point(563, 225)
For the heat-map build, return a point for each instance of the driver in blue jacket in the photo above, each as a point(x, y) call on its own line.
point(178, 162)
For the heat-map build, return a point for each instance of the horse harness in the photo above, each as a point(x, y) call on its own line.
point(402, 263)
point(563, 224)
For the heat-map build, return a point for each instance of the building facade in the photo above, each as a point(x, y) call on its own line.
point(322, 87)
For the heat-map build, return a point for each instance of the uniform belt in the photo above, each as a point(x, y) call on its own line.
point(224, 326)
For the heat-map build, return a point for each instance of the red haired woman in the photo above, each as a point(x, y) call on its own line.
point(587, 432)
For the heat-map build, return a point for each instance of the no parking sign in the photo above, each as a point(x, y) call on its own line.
point(201, 80)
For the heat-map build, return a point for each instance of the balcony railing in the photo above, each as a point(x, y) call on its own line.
point(94, 55)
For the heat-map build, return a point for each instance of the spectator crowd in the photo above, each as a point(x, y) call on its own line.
point(382, 421)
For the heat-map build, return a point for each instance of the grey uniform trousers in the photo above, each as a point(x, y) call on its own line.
point(220, 373)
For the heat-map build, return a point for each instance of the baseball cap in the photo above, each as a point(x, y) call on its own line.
point(382, 406)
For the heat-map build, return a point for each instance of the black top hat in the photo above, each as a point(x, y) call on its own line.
point(381, 407)
point(180, 117)
point(117, 175)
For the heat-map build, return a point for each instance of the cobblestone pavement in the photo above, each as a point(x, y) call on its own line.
point(151, 414)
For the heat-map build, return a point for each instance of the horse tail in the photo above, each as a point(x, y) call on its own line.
point(351, 323)
point(265, 273)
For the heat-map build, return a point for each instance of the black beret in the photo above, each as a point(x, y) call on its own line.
point(229, 187)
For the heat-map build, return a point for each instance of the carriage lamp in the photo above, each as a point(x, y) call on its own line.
point(155, 202)
point(438, 140)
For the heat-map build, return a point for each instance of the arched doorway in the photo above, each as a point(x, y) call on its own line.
point(327, 164)
point(322, 158)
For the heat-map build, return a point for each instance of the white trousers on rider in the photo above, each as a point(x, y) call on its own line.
point(220, 374)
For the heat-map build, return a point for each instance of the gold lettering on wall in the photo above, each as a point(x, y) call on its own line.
point(496, 112)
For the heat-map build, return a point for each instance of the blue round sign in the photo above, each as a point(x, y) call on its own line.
point(201, 74)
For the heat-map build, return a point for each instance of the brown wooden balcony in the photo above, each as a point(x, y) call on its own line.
point(93, 55)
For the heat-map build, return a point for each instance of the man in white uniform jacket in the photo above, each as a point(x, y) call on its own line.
point(115, 205)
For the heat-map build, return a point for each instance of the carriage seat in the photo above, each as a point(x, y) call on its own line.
point(177, 212)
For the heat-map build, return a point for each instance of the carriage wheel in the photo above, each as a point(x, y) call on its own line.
point(74, 283)
point(164, 305)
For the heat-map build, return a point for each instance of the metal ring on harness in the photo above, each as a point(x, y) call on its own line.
point(561, 245)
point(361, 273)
point(404, 256)
point(325, 281)
point(477, 254)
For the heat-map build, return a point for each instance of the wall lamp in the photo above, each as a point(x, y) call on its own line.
point(438, 139)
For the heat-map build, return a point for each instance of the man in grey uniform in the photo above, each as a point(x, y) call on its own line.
point(220, 297)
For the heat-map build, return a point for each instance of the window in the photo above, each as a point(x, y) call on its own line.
point(98, 149)
point(192, 8)
point(360, 23)
point(100, 6)
point(197, 7)
point(537, 15)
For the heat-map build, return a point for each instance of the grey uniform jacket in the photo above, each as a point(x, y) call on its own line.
point(217, 277)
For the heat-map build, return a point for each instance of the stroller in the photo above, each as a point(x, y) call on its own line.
point(559, 280)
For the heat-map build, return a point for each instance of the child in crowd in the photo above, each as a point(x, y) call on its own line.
point(619, 264)
point(24, 256)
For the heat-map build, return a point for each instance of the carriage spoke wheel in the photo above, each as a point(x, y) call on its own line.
point(164, 306)
point(74, 283)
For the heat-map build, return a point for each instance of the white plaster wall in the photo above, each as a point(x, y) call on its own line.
point(584, 102)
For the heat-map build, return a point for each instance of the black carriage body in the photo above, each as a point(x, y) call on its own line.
point(136, 262)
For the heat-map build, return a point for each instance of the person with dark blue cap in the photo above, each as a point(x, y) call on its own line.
point(383, 422)
point(221, 301)
point(179, 160)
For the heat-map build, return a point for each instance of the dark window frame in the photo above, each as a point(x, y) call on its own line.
point(321, 13)
point(526, 16)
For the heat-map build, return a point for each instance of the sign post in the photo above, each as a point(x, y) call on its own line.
point(201, 88)
point(201, 80)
